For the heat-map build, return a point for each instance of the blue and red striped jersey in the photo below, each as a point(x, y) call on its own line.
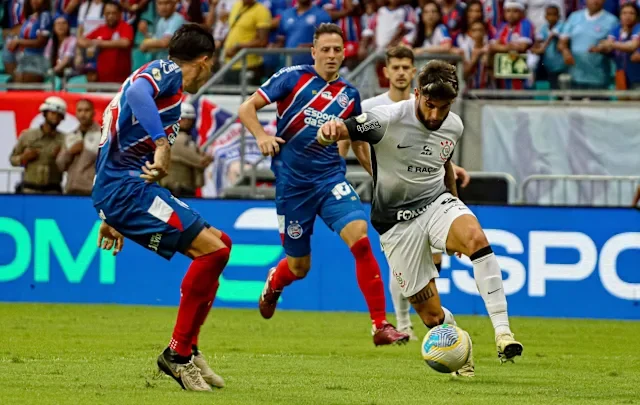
point(305, 101)
point(124, 144)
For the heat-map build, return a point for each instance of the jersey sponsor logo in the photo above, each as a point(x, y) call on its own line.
point(171, 137)
point(426, 150)
point(368, 126)
point(343, 100)
point(294, 230)
point(419, 169)
point(446, 151)
point(154, 242)
point(326, 95)
point(315, 118)
point(155, 72)
point(407, 215)
point(168, 67)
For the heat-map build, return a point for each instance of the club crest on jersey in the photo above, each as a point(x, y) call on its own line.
point(343, 100)
point(155, 72)
point(447, 150)
point(294, 230)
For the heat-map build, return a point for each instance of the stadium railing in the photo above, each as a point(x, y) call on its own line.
point(9, 177)
point(579, 190)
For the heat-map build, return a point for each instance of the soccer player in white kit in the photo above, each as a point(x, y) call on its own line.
point(415, 205)
point(400, 70)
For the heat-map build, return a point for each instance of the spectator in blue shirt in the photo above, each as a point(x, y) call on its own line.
point(582, 32)
point(297, 26)
point(169, 22)
point(623, 43)
point(552, 63)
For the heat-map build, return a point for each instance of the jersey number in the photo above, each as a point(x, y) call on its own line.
point(342, 190)
point(107, 119)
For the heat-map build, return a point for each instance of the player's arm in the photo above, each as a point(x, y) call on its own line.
point(248, 113)
point(140, 97)
point(369, 127)
point(363, 154)
point(450, 178)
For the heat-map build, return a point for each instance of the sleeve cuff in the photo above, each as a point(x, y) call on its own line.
point(264, 95)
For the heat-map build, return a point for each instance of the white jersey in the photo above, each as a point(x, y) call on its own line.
point(382, 99)
point(407, 160)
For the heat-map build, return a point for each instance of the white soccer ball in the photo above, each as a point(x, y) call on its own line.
point(446, 348)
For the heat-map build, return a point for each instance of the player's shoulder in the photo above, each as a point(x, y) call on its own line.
point(380, 99)
point(163, 67)
point(393, 112)
point(30, 134)
point(454, 123)
point(293, 71)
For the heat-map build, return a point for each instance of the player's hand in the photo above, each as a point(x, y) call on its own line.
point(153, 172)
point(461, 174)
point(108, 237)
point(330, 132)
point(30, 154)
point(270, 145)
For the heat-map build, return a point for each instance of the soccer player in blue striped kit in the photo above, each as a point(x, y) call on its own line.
point(139, 126)
point(310, 178)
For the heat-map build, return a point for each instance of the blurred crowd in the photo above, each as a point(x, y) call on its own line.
point(589, 44)
point(47, 154)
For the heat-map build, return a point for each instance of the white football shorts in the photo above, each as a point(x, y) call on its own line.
point(408, 245)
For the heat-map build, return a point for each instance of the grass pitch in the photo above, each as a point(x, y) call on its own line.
point(71, 354)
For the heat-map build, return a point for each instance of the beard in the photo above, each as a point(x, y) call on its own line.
point(431, 125)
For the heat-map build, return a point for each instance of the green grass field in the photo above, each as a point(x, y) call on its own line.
point(71, 354)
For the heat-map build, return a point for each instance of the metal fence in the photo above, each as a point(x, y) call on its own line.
point(577, 190)
point(9, 178)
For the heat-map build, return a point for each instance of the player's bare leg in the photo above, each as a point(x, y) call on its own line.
point(427, 304)
point(370, 282)
point(210, 255)
point(466, 236)
point(286, 272)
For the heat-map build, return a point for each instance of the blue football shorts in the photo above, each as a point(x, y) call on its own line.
point(151, 217)
point(336, 202)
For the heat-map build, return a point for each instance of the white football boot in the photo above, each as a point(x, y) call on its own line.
point(508, 347)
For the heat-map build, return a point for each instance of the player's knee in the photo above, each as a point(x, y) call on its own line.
point(299, 267)
point(475, 240)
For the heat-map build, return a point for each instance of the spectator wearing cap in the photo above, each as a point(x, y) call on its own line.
point(297, 27)
point(552, 64)
point(516, 35)
point(187, 162)
point(31, 42)
point(582, 32)
point(623, 43)
point(38, 148)
point(168, 23)
point(12, 23)
point(61, 47)
point(113, 42)
point(80, 151)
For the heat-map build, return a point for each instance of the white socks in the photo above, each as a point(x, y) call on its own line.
point(488, 276)
point(400, 304)
point(448, 317)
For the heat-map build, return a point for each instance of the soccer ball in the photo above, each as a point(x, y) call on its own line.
point(446, 348)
